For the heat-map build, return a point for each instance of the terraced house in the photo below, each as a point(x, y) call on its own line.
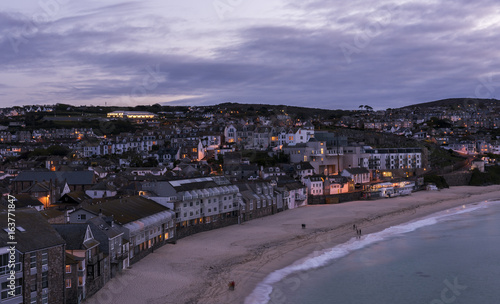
point(196, 201)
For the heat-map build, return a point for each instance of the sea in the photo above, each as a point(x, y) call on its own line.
point(448, 257)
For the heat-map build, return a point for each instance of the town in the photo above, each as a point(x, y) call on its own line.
point(99, 188)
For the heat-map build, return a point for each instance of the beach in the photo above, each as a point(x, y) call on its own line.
point(198, 268)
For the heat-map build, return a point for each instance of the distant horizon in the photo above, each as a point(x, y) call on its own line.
point(263, 104)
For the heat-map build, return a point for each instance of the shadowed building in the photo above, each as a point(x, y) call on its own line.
point(39, 267)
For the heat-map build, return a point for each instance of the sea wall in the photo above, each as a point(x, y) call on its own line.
point(335, 198)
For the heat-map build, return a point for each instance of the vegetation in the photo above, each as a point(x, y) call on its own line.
point(490, 177)
point(439, 181)
point(262, 158)
point(55, 150)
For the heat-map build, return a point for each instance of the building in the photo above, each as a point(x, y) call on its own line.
point(110, 243)
point(258, 199)
point(314, 184)
point(145, 223)
point(136, 116)
point(325, 159)
point(196, 201)
point(82, 251)
point(39, 260)
point(75, 180)
point(358, 175)
point(338, 184)
point(100, 190)
point(396, 158)
point(294, 193)
point(24, 201)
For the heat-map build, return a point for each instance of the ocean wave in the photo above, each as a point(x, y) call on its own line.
point(262, 293)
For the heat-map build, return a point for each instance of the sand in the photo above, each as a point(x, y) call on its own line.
point(198, 268)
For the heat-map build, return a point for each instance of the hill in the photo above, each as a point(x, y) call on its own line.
point(456, 103)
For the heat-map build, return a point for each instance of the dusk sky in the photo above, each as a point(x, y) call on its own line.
point(314, 53)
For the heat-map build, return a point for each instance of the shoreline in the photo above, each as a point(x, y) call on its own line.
point(198, 268)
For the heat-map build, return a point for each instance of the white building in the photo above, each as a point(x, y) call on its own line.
point(314, 184)
point(396, 158)
point(195, 201)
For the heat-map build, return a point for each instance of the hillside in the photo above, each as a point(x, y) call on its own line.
point(455, 103)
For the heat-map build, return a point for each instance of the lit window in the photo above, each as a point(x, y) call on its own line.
point(68, 268)
point(68, 283)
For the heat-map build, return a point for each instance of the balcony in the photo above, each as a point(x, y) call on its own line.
point(119, 257)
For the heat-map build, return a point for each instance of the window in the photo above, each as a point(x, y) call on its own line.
point(45, 279)
point(5, 289)
point(191, 204)
point(80, 281)
point(33, 260)
point(45, 258)
point(33, 300)
point(33, 283)
point(68, 283)
point(45, 299)
point(82, 217)
point(191, 213)
point(68, 268)
point(185, 205)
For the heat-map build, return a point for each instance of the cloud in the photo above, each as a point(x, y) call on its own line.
point(313, 53)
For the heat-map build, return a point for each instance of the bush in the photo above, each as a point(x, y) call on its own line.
point(490, 177)
point(439, 181)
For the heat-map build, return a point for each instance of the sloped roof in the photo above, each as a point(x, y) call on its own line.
point(26, 200)
point(74, 235)
point(38, 187)
point(78, 196)
point(102, 232)
point(103, 186)
point(71, 177)
point(38, 233)
point(52, 213)
point(193, 184)
point(129, 209)
point(303, 166)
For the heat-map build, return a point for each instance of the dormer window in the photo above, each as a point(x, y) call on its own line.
point(88, 235)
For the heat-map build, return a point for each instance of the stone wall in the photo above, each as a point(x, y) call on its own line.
point(335, 198)
point(55, 275)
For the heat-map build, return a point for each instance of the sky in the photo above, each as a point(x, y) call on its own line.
point(312, 53)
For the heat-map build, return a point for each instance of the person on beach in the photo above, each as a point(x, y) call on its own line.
point(231, 285)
